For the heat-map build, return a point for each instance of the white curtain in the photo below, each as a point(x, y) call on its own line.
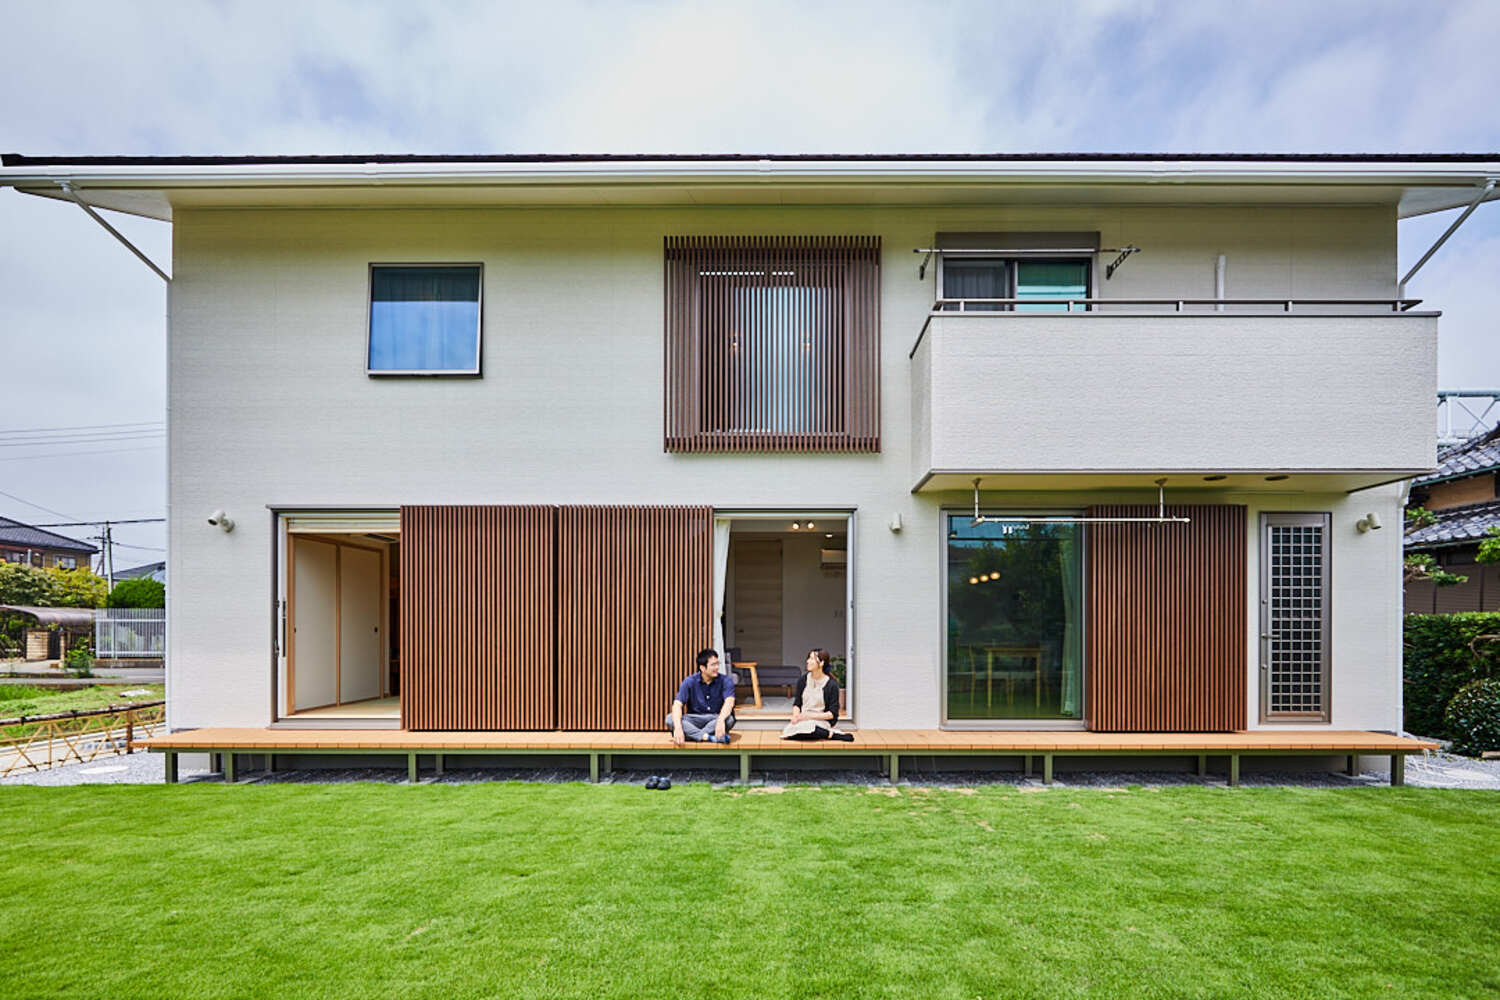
point(721, 572)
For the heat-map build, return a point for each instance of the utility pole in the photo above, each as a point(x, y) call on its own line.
point(109, 558)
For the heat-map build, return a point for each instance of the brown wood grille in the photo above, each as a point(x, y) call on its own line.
point(1166, 621)
point(477, 612)
point(634, 600)
point(772, 343)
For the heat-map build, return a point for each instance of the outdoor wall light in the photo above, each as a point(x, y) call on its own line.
point(1367, 523)
point(219, 519)
point(896, 521)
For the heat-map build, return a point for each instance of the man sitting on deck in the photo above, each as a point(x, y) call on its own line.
point(703, 710)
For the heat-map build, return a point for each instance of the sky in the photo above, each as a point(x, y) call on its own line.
point(82, 322)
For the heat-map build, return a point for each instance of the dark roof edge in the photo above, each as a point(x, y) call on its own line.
point(23, 160)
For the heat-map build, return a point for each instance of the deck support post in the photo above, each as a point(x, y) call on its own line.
point(411, 768)
point(1234, 770)
point(1046, 769)
point(608, 763)
point(437, 763)
point(169, 760)
point(1202, 764)
point(895, 768)
point(229, 768)
point(1398, 769)
point(744, 769)
point(1026, 766)
point(1353, 768)
point(594, 768)
point(270, 763)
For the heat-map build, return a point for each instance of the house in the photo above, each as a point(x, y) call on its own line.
point(22, 543)
point(1461, 494)
point(1048, 448)
point(153, 571)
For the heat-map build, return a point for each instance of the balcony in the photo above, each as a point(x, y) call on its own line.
point(1329, 394)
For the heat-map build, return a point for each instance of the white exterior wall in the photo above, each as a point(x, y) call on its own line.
point(269, 404)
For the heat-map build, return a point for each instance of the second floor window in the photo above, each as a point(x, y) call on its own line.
point(1015, 278)
point(424, 320)
point(772, 343)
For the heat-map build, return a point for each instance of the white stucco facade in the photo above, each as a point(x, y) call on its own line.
point(270, 405)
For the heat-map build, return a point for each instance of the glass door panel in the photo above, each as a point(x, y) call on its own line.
point(1015, 620)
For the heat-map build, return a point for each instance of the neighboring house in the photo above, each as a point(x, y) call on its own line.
point(21, 543)
point(1462, 494)
point(504, 440)
point(156, 571)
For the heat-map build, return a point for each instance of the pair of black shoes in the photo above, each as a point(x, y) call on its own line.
point(661, 783)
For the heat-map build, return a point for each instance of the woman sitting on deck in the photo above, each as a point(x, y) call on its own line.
point(815, 703)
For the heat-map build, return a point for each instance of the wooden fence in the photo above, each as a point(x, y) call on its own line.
point(32, 743)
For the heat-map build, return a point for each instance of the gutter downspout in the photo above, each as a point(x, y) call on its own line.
point(1483, 194)
point(67, 188)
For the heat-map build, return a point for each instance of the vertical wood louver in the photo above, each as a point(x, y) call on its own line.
point(634, 597)
point(1166, 621)
point(772, 343)
point(477, 618)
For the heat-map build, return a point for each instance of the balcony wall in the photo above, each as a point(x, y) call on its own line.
point(1213, 393)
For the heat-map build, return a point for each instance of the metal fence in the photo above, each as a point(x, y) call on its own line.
point(121, 633)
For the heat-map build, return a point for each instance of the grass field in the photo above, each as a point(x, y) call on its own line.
point(537, 890)
point(21, 699)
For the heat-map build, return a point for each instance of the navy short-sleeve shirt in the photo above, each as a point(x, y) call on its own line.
point(699, 698)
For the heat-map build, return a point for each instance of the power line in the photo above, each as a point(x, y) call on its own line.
point(82, 427)
point(76, 454)
point(99, 521)
point(36, 505)
point(106, 439)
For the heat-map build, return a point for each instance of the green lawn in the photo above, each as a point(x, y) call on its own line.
point(534, 890)
point(21, 699)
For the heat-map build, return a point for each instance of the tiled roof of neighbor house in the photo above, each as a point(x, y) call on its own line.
point(15, 533)
point(1456, 526)
point(1478, 454)
point(135, 571)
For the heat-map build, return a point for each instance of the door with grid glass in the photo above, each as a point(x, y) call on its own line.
point(1294, 611)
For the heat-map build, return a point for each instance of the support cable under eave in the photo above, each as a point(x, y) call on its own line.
point(1162, 517)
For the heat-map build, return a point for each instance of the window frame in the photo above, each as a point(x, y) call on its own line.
point(66, 562)
point(1324, 521)
point(476, 372)
point(1011, 260)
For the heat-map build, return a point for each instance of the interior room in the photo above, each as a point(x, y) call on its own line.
point(785, 592)
point(340, 655)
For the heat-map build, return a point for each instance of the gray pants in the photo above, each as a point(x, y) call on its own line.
point(696, 727)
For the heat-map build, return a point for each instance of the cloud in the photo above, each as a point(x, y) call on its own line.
point(237, 76)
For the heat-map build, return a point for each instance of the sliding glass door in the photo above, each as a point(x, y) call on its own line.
point(1014, 620)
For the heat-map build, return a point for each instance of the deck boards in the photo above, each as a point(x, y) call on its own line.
point(866, 741)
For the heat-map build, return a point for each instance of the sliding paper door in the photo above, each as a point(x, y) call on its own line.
point(477, 616)
point(1166, 621)
point(634, 604)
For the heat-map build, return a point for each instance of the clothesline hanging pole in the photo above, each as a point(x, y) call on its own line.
point(1161, 516)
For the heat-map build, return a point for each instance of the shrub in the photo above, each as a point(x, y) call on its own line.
point(140, 592)
point(1473, 717)
point(1439, 661)
point(79, 659)
point(79, 588)
point(29, 586)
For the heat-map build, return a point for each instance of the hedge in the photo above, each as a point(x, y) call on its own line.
point(1438, 662)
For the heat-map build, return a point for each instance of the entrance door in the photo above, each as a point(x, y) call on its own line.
point(757, 600)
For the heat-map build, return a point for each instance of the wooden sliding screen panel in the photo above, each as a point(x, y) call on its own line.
point(1166, 621)
point(477, 615)
point(634, 597)
point(772, 343)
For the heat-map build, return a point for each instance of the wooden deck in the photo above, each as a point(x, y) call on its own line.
point(887, 744)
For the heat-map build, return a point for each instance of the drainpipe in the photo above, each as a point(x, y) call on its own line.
point(1483, 194)
point(1219, 266)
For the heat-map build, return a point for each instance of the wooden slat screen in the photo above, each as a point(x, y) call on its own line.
point(477, 612)
point(772, 343)
point(634, 596)
point(1166, 621)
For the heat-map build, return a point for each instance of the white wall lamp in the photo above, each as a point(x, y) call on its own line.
point(1367, 523)
point(219, 519)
